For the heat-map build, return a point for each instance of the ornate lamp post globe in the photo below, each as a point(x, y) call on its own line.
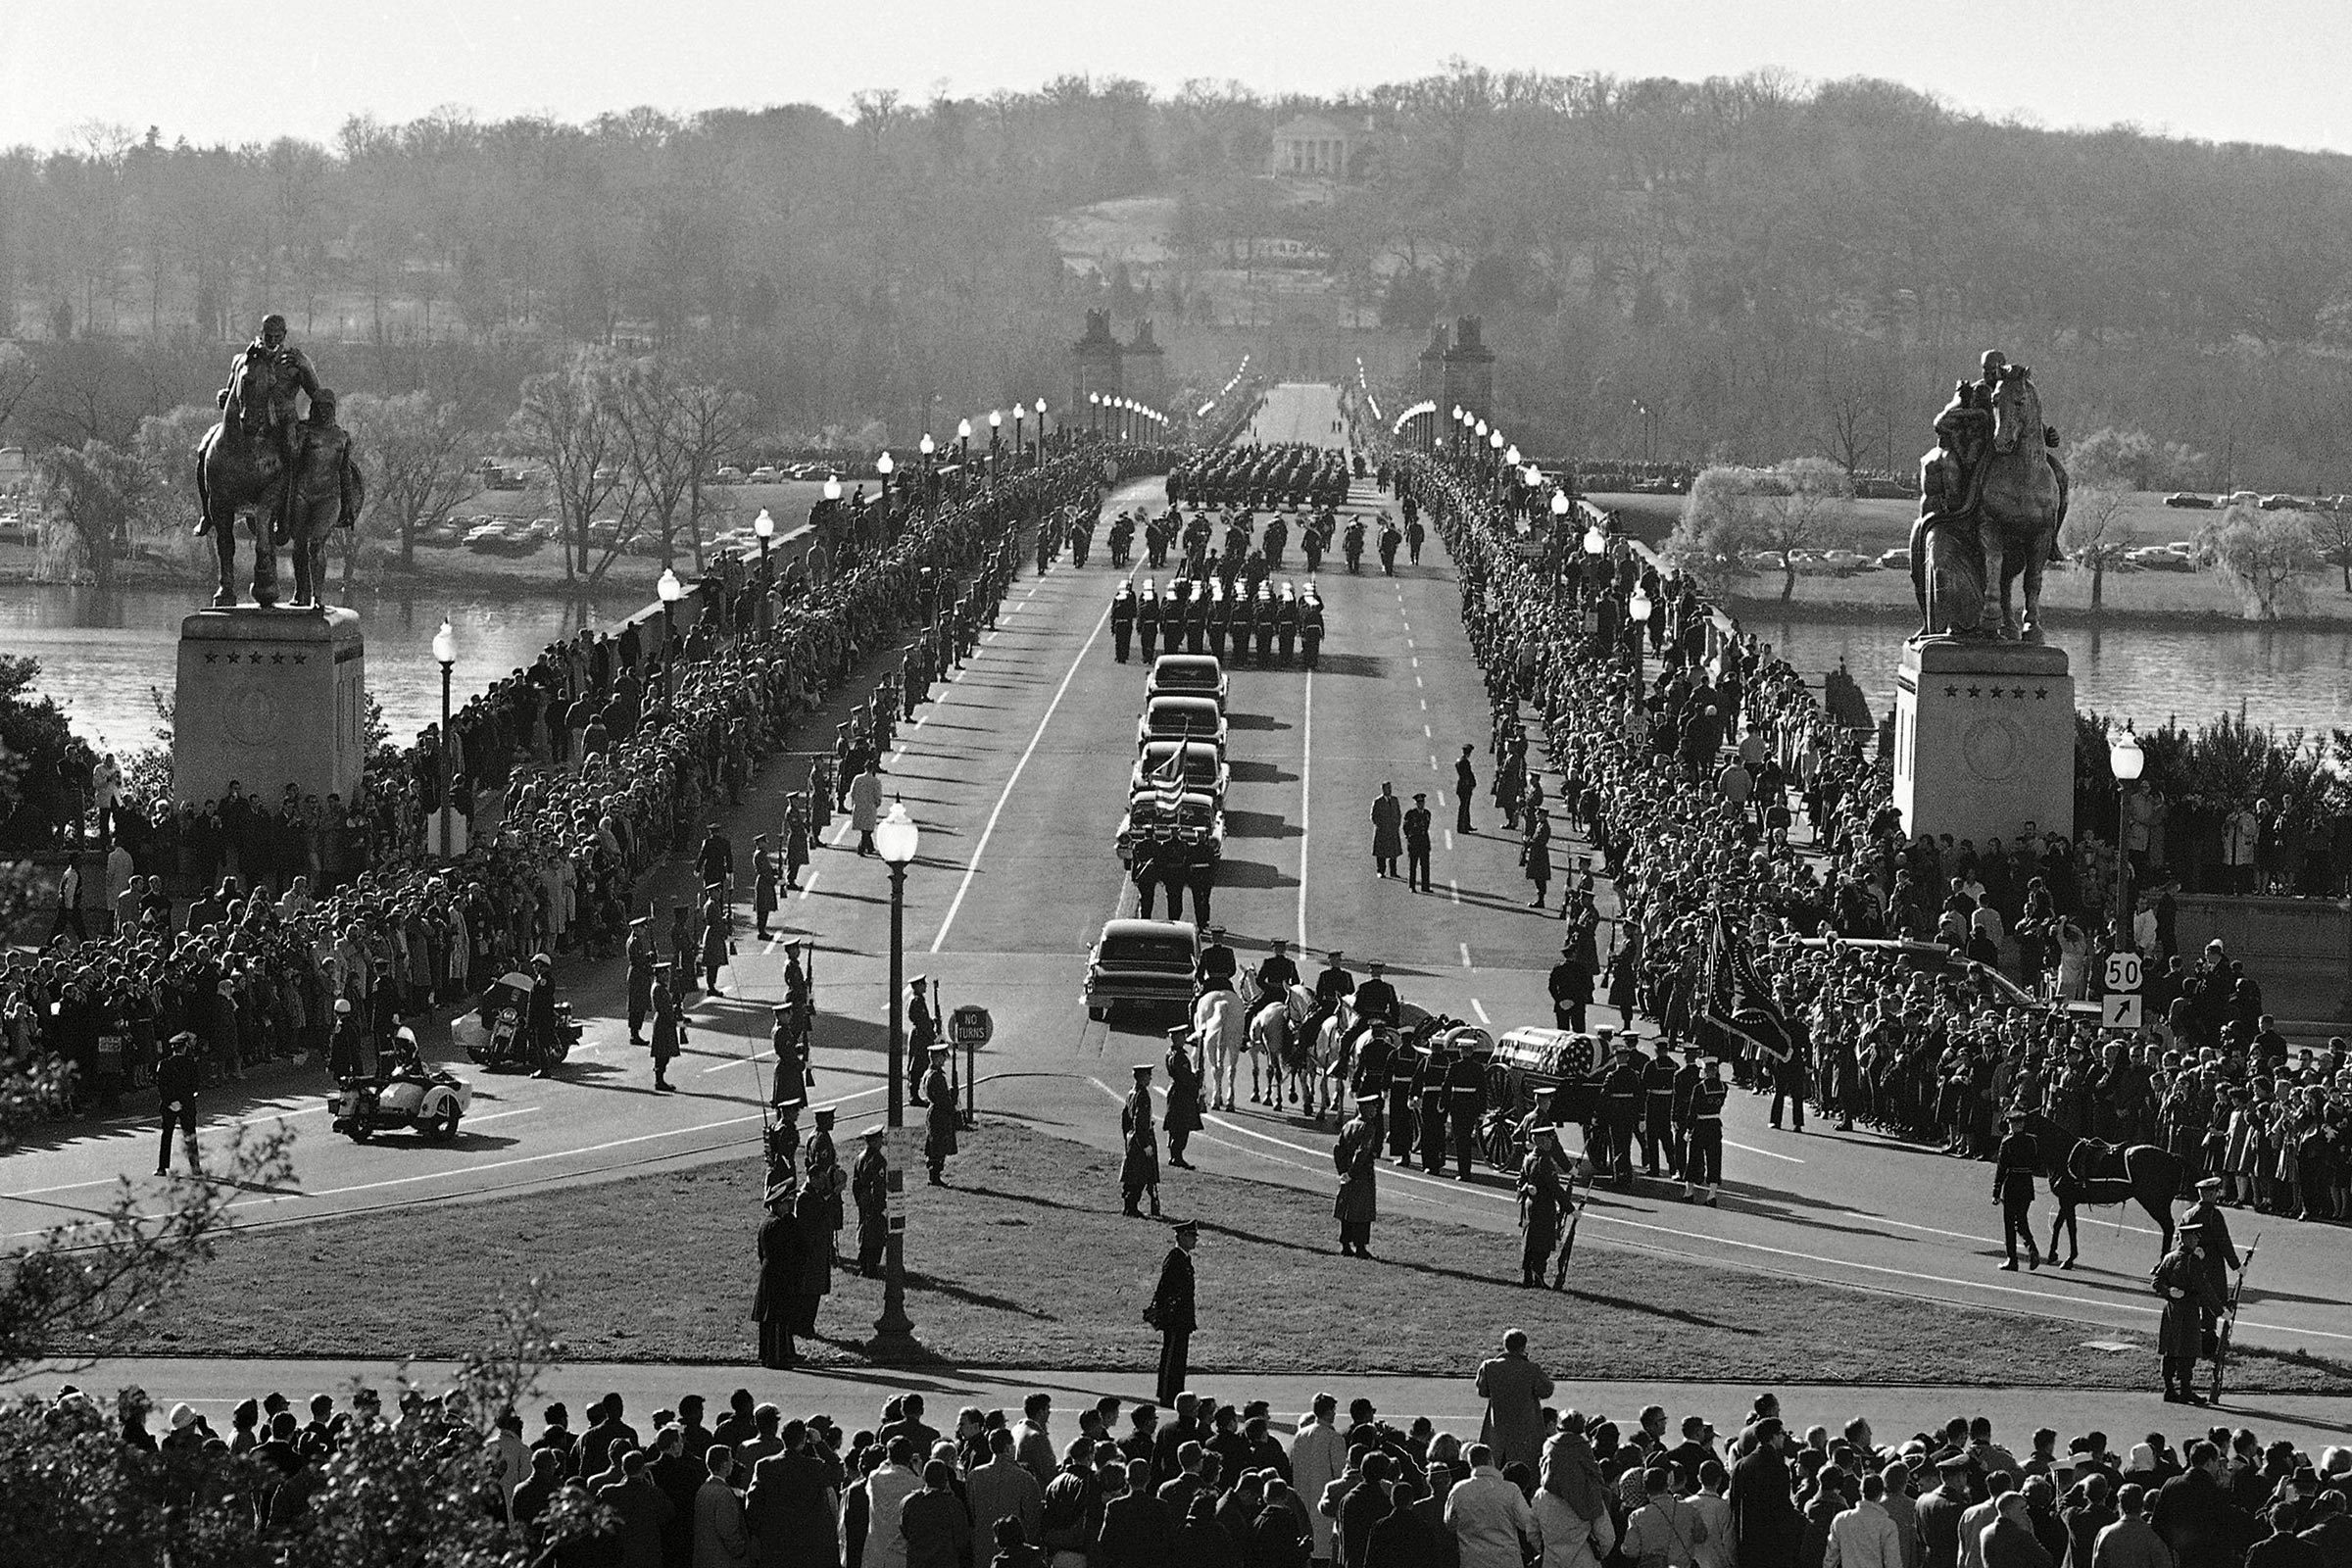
point(1512, 456)
point(1596, 542)
point(2126, 756)
point(1639, 606)
point(963, 429)
point(669, 591)
point(832, 487)
point(1494, 441)
point(763, 529)
point(927, 446)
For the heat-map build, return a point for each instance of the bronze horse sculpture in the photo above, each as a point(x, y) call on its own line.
point(2021, 499)
point(1977, 535)
point(242, 471)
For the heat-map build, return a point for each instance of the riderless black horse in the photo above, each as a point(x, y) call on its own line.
point(2083, 1171)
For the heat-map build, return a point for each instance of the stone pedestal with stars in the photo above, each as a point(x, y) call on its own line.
point(1985, 740)
point(267, 698)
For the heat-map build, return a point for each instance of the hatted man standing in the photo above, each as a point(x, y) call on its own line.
point(1171, 1311)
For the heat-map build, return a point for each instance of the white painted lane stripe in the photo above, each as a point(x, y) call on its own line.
point(1015, 778)
point(1768, 1153)
point(1478, 1008)
point(1307, 769)
point(1465, 955)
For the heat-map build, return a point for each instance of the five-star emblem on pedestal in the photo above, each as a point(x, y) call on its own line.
point(2041, 694)
point(1975, 690)
point(280, 658)
point(209, 657)
point(1951, 691)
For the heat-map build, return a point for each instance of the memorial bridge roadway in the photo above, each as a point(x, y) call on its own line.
point(1016, 772)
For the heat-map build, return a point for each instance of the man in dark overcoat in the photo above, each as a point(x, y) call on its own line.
point(777, 1307)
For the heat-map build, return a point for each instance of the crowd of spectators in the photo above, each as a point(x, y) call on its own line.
point(572, 778)
point(1210, 1483)
point(1715, 789)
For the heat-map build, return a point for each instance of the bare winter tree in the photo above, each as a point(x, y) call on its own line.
point(674, 434)
point(418, 452)
point(2093, 535)
point(1801, 505)
point(2262, 554)
point(567, 421)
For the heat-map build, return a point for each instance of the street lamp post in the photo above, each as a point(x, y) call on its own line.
point(885, 466)
point(963, 454)
point(2127, 758)
point(1639, 608)
point(1040, 430)
point(672, 591)
point(763, 529)
point(930, 475)
point(995, 440)
point(1020, 442)
point(445, 652)
point(896, 840)
point(1094, 412)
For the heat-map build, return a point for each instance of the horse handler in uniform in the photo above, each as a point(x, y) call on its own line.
point(1356, 1156)
point(2190, 1302)
point(1171, 1311)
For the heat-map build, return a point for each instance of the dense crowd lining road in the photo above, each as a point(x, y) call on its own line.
point(1016, 774)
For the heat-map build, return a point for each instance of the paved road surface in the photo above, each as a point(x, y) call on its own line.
point(1016, 774)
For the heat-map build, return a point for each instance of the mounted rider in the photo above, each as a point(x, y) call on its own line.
point(260, 399)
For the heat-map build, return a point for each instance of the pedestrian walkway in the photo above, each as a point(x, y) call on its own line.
point(854, 1399)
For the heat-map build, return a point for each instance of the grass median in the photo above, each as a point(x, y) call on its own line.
point(1025, 1260)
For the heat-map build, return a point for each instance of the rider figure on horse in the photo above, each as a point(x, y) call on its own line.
point(262, 380)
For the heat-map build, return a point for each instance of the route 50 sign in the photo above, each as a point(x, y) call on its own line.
point(2123, 971)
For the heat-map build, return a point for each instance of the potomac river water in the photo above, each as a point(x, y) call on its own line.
point(101, 654)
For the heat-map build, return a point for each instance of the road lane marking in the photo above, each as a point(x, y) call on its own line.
point(986, 833)
point(1307, 766)
point(1449, 832)
point(520, 1110)
point(1478, 1008)
point(1465, 955)
point(1455, 889)
point(1768, 1153)
point(1426, 734)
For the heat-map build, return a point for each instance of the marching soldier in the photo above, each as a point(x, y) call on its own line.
point(1429, 1097)
point(669, 1027)
point(1465, 1101)
point(938, 1116)
point(788, 1040)
point(1199, 866)
point(683, 947)
point(870, 1189)
point(1658, 1113)
point(1310, 618)
point(1146, 616)
point(826, 1179)
point(1356, 1158)
point(1402, 1067)
point(1703, 1149)
point(1139, 1169)
point(1220, 620)
point(1543, 1199)
point(1144, 870)
point(2190, 1304)
point(641, 955)
point(1123, 620)
point(1286, 622)
point(1183, 1116)
point(1622, 1092)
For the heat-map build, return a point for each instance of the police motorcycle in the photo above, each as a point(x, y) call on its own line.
point(409, 1097)
point(505, 1044)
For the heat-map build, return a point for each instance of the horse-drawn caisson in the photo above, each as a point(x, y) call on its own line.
point(1538, 1078)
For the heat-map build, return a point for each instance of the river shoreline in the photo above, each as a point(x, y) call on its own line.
point(1839, 611)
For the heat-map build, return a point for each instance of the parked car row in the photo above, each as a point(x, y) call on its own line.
point(2247, 498)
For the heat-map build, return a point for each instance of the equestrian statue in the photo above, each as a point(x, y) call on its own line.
point(294, 477)
point(1991, 496)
